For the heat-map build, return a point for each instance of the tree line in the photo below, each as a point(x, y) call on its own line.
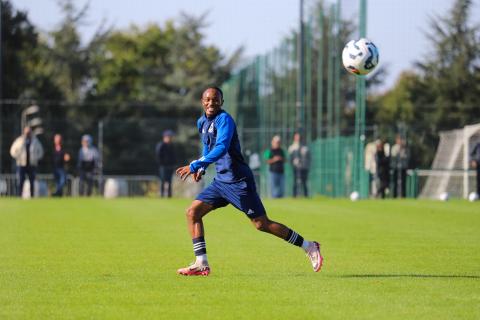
point(124, 77)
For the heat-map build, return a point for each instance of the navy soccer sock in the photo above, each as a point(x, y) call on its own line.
point(294, 238)
point(200, 249)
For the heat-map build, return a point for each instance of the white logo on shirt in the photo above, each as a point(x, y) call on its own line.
point(250, 211)
point(210, 129)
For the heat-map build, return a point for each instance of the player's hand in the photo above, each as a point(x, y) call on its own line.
point(184, 172)
point(197, 176)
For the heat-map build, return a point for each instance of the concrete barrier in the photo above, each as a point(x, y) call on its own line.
point(41, 189)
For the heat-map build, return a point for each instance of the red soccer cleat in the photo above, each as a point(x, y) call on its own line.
point(313, 253)
point(195, 269)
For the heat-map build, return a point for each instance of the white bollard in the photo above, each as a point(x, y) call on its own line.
point(115, 188)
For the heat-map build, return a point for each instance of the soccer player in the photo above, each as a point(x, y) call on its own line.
point(234, 184)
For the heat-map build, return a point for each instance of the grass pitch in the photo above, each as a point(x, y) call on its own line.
point(100, 259)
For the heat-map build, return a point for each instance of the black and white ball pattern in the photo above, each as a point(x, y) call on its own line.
point(360, 57)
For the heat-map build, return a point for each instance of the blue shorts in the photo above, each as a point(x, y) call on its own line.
point(242, 195)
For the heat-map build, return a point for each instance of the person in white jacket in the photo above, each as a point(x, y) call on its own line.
point(87, 165)
point(300, 160)
point(27, 151)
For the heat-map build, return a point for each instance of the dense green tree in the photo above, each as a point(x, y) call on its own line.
point(19, 38)
point(397, 105)
point(164, 66)
point(451, 72)
point(69, 60)
point(22, 72)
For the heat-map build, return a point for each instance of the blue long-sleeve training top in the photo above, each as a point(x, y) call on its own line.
point(221, 145)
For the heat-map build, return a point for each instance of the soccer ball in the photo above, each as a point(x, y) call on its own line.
point(360, 57)
point(354, 196)
point(444, 196)
point(473, 196)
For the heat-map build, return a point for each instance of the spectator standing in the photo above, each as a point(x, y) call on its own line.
point(27, 151)
point(371, 166)
point(383, 169)
point(475, 155)
point(60, 157)
point(88, 160)
point(275, 157)
point(300, 159)
point(400, 157)
point(167, 161)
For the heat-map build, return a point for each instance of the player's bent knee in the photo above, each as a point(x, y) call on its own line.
point(192, 213)
point(261, 225)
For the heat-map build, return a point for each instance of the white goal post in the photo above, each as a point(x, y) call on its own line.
point(452, 157)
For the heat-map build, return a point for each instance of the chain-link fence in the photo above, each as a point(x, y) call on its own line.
point(301, 86)
point(127, 144)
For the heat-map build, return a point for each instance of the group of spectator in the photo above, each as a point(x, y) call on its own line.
point(27, 151)
point(387, 167)
point(299, 158)
point(381, 161)
point(276, 157)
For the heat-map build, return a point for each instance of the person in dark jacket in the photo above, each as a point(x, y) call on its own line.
point(275, 157)
point(475, 155)
point(383, 169)
point(166, 159)
point(400, 157)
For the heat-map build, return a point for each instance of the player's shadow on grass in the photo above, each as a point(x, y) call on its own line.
point(413, 275)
